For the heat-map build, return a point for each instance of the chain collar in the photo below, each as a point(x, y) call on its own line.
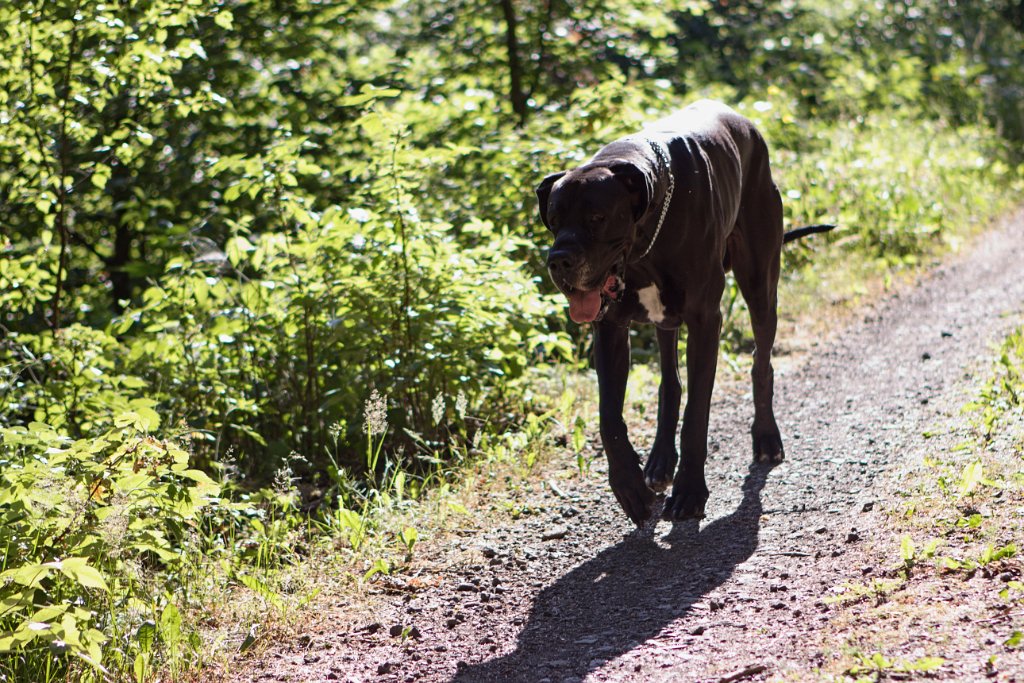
point(659, 150)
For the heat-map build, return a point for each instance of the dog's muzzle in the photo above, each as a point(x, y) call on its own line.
point(588, 297)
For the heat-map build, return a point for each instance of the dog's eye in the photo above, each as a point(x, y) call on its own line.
point(596, 217)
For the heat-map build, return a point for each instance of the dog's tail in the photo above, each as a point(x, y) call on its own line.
point(797, 233)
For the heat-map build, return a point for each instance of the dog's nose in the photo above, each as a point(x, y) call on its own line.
point(563, 262)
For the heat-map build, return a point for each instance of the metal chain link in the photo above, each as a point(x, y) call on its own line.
point(663, 157)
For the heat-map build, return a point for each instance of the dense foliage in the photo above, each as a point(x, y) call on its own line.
point(225, 225)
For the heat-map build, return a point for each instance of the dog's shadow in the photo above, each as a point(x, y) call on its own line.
point(626, 595)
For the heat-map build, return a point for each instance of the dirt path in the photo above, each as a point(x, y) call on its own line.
point(566, 595)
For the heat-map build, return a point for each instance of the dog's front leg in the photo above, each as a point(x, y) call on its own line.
point(611, 355)
point(689, 490)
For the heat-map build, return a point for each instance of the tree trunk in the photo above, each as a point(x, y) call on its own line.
point(120, 280)
point(515, 68)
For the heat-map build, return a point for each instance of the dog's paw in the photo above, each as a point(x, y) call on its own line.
point(767, 445)
point(686, 502)
point(632, 492)
point(660, 468)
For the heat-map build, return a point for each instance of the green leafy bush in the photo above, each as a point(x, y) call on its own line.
point(898, 185)
point(95, 531)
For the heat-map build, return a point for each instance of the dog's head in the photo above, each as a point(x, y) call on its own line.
point(592, 212)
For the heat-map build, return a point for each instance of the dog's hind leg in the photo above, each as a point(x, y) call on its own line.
point(755, 247)
point(703, 326)
point(661, 463)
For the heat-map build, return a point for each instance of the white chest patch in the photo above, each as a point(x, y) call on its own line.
point(650, 299)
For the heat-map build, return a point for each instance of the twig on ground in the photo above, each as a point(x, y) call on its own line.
point(557, 491)
point(744, 673)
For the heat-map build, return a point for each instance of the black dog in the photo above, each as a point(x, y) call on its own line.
point(646, 232)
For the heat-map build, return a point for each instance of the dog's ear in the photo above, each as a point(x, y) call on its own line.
point(641, 191)
point(543, 192)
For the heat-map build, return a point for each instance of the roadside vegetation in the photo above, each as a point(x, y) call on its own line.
point(952, 581)
point(271, 278)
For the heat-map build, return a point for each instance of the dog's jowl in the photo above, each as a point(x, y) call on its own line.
point(645, 232)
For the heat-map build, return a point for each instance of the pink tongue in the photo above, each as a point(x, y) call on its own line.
point(584, 306)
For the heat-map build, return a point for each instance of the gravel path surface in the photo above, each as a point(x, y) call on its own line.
point(569, 594)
